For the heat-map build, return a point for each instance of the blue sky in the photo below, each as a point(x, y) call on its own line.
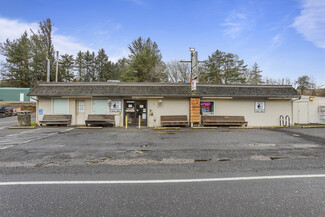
point(285, 37)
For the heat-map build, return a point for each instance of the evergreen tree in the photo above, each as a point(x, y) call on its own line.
point(66, 65)
point(224, 68)
point(102, 67)
point(145, 62)
point(214, 68)
point(45, 33)
point(255, 76)
point(122, 67)
point(38, 61)
point(90, 71)
point(80, 66)
point(233, 69)
point(18, 56)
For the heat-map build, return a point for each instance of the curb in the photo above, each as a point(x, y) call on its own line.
point(204, 127)
point(89, 127)
point(166, 128)
point(318, 126)
point(23, 127)
point(242, 127)
point(271, 127)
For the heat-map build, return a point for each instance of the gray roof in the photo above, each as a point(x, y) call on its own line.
point(127, 89)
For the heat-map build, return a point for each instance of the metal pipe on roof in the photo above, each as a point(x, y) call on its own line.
point(48, 70)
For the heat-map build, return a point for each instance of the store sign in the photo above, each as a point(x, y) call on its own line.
point(193, 85)
point(116, 106)
point(260, 107)
point(195, 65)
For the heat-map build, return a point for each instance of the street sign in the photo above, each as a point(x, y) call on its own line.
point(195, 65)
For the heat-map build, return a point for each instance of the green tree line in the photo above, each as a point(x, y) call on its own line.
point(26, 64)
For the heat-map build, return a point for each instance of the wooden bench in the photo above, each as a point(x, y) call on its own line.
point(223, 120)
point(56, 120)
point(173, 120)
point(100, 119)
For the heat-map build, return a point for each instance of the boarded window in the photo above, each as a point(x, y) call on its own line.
point(60, 106)
point(100, 106)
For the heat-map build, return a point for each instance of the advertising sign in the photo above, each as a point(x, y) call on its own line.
point(116, 106)
point(260, 107)
point(195, 65)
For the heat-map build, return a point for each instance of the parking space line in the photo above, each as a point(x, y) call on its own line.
point(163, 181)
point(2, 148)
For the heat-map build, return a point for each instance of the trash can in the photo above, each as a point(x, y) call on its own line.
point(24, 119)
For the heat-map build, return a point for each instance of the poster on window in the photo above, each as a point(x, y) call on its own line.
point(260, 107)
point(206, 108)
point(116, 106)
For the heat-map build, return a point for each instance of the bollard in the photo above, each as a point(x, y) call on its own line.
point(126, 122)
point(139, 122)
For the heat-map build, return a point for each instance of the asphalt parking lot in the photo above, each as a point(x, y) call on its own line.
point(116, 150)
point(74, 157)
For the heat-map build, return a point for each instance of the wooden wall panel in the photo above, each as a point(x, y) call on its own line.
point(195, 110)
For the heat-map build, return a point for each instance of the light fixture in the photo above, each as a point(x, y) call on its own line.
point(192, 49)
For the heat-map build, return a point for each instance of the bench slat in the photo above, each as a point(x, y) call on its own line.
point(56, 119)
point(100, 119)
point(166, 120)
point(223, 120)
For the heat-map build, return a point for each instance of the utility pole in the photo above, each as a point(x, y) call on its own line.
point(57, 67)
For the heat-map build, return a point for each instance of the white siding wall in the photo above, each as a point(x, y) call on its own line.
point(44, 103)
point(273, 110)
point(167, 107)
point(306, 111)
point(241, 107)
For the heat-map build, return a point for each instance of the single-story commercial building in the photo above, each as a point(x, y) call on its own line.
point(261, 105)
point(309, 110)
point(13, 94)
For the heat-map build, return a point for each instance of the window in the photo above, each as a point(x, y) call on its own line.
point(81, 106)
point(60, 106)
point(100, 106)
point(207, 108)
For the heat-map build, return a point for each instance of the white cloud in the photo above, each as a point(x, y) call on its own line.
point(13, 29)
point(114, 56)
point(67, 44)
point(277, 40)
point(235, 23)
point(311, 22)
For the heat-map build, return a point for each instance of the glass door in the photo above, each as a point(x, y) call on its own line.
point(134, 109)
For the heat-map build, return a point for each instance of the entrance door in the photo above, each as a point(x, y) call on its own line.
point(133, 109)
point(80, 112)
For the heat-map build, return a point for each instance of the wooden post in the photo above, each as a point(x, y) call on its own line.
point(126, 122)
point(139, 122)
